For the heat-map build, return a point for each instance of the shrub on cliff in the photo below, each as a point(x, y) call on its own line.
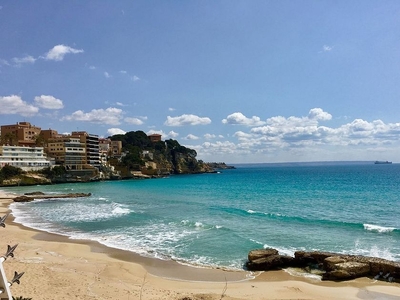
point(8, 172)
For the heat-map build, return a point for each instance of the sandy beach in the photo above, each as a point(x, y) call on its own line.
point(59, 268)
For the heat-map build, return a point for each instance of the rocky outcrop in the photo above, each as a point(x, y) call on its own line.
point(219, 166)
point(335, 266)
point(26, 198)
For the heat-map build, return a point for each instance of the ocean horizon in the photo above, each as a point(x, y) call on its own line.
point(214, 220)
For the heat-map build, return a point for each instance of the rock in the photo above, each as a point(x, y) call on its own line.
point(330, 262)
point(272, 262)
point(23, 199)
point(336, 266)
point(259, 253)
point(314, 257)
point(347, 270)
point(336, 275)
point(34, 193)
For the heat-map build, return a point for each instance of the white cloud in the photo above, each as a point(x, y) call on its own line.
point(123, 72)
point(110, 116)
point(187, 120)
point(171, 109)
point(238, 118)
point(24, 60)
point(13, 104)
point(209, 136)
point(319, 114)
point(48, 102)
point(119, 104)
point(326, 48)
point(106, 75)
point(135, 78)
point(172, 134)
point(113, 131)
point(58, 52)
point(191, 137)
point(133, 121)
point(92, 67)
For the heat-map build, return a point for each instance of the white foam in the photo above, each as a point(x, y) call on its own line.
point(198, 224)
point(377, 228)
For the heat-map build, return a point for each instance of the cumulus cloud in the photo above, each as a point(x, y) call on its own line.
point(106, 75)
point(187, 120)
point(58, 52)
point(135, 78)
point(172, 134)
point(209, 136)
point(319, 114)
point(238, 118)
point(48, 102)
point(110, 116)
point(13, 104)
point(191, 137)
point(24, 60)
point(289, 133)
point(326, 48)
point(114, 131)
point(133, 121)
point(171, 109)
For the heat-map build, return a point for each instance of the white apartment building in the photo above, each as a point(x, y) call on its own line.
point(26, 158)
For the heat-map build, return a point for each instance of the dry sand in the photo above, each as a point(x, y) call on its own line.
point(59, 268)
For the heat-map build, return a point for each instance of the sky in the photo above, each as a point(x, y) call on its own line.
point(238, 81)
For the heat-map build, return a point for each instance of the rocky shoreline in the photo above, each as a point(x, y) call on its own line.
point(332, 266)
point(28, 197)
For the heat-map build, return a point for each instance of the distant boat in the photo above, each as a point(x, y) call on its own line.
point(379, 162)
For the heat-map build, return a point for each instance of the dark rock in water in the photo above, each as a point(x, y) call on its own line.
point(34, 193)
point(334, 266)
point(271, 262)
point(259, 253)
point(25, 198)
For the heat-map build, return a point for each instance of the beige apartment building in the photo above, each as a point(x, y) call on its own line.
point(19, 134)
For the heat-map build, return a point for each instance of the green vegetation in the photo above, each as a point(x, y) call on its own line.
point(169, 155)
point(53, 172)
point(8, 172)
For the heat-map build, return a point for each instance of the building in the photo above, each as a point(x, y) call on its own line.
point(68, 151)
point(25, 158)
point(92, 146)
point(155, 137)
point(19, 134)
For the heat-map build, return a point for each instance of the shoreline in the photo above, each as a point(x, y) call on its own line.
point(57, 267)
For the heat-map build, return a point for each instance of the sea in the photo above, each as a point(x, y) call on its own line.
point(214, 220)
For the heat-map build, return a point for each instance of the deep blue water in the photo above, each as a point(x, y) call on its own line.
point(215, 219)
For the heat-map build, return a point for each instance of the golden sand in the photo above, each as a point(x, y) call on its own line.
point(59, 268)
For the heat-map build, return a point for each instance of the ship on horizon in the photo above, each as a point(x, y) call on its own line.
point(381, 162)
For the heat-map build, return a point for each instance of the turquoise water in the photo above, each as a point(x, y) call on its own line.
point(215, 219)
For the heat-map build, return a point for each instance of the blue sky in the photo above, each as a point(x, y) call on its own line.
point(239, 81)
